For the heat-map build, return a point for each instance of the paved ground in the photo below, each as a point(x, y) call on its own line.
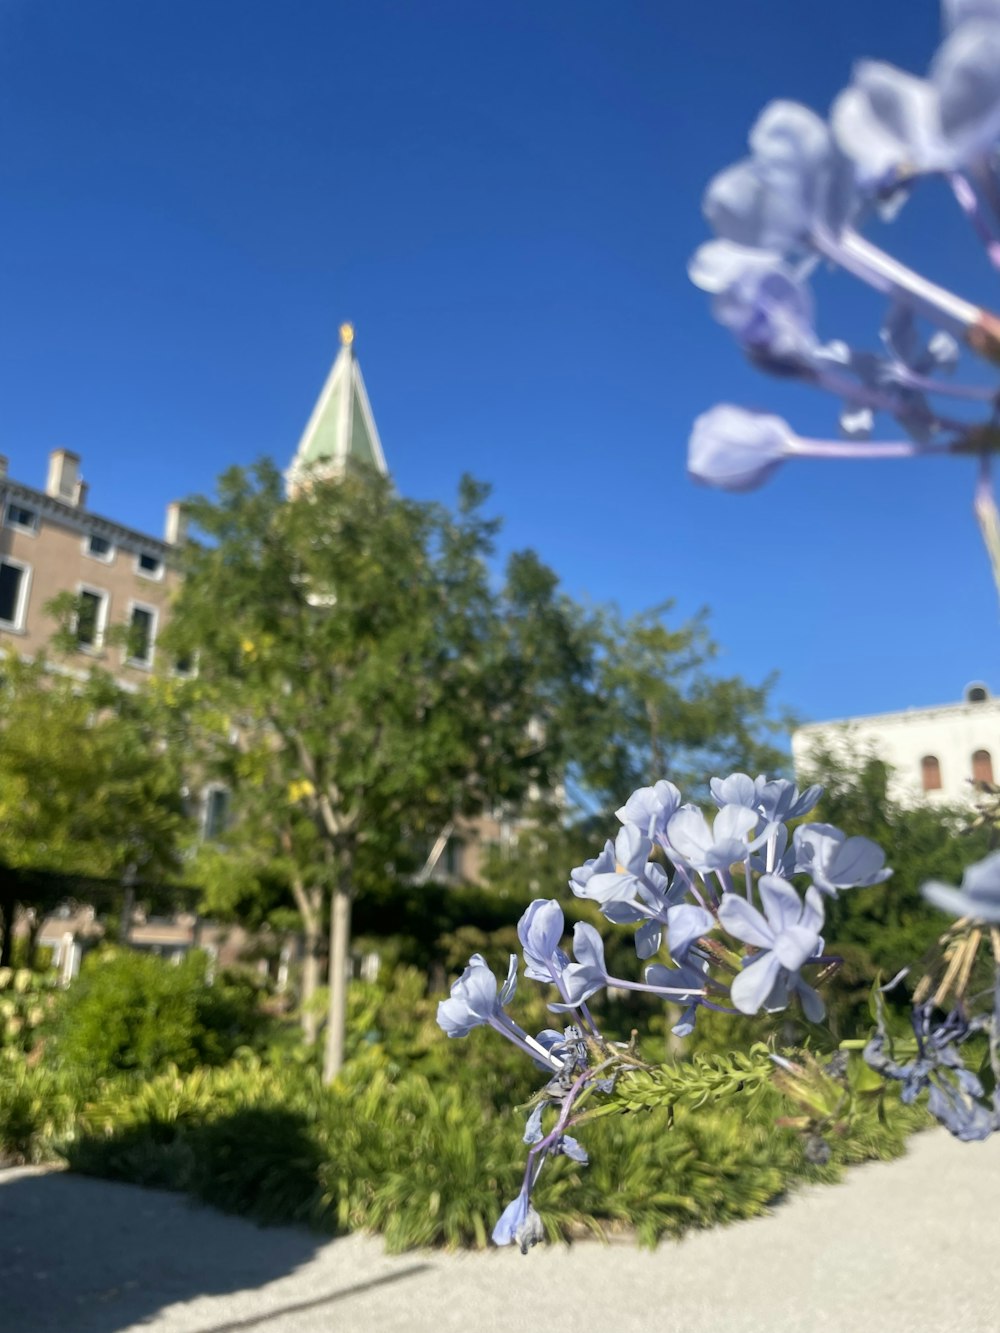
point(906, 1247)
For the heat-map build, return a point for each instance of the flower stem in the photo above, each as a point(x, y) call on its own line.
point(619, 984)
point(968, 202)
point(806, 448)
point(873, 266)
point(985, 507)
point(509, 1029)
point(863, 396)
point(973, 393)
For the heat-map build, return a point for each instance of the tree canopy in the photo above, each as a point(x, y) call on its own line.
point(87, 786)
point(881, 929)
point(364, 677)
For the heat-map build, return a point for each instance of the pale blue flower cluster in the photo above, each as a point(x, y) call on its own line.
point(800, 199)
point(719, 921)
point(690, 884)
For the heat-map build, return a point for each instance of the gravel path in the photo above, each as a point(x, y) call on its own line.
point(903, 1247)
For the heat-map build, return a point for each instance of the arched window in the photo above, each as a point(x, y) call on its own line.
point(982, 767)
point(930, 773)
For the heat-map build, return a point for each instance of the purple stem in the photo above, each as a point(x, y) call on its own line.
point(686, 876)
point(909, 379)
point(772, 847)
point(968, 202)
point(712, 984)
point(864, 396)
point(543, 1145)
point(987, 182)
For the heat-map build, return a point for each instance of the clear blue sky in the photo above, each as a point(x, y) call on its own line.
point(503, 198)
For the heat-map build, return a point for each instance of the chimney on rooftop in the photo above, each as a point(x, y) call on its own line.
point(63, 482)
point(175, 528)
point(3, 466)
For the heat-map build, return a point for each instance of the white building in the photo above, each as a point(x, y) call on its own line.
point(935, 754)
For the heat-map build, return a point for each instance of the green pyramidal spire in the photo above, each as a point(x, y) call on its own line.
point(341, 427)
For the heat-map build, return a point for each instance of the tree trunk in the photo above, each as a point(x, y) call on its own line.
point(340, 939)
point(310, 982)
point(7, 929)
point(310, 905)
point(128, 909)
point(8, 910)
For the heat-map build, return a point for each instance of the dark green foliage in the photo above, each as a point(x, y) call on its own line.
point(420, 1138)
point(239, 1138)
point(36, 1112)
point(259, 1161)
point(84, 787)
point(432, 1163)
point(420, 917)
point(132, 1012)
point(659, 711)
point(889, 926)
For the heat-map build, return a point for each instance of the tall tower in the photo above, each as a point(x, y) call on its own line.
point(341, 428)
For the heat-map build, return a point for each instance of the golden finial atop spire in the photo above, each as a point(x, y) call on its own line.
point(346, 335)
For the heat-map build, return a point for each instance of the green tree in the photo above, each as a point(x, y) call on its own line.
point(889, 926)
point(87, 787)
point(270, 853)
point(661, 712)
point(364, 679)
point(373, 677)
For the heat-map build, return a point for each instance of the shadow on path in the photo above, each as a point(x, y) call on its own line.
point(89, 1256)
point(297, 1307)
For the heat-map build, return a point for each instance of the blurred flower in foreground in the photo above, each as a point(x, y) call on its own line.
point(738, 450)
point(979, 896)
point(801, 199)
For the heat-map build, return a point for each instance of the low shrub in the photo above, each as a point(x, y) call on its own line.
point(430, 1161)
point(36, 1113)
point(26, 1002)
point(420, 1139)
point(131, 1012)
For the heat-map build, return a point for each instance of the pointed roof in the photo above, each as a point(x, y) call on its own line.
point(341, 427)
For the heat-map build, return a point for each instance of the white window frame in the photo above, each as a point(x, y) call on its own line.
point(207, 793)
point(108, 559)
point(14, 526)
point(17, 626)
point(147, 574)
point(185, 675)
point(102, 618)
point(141, 665)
